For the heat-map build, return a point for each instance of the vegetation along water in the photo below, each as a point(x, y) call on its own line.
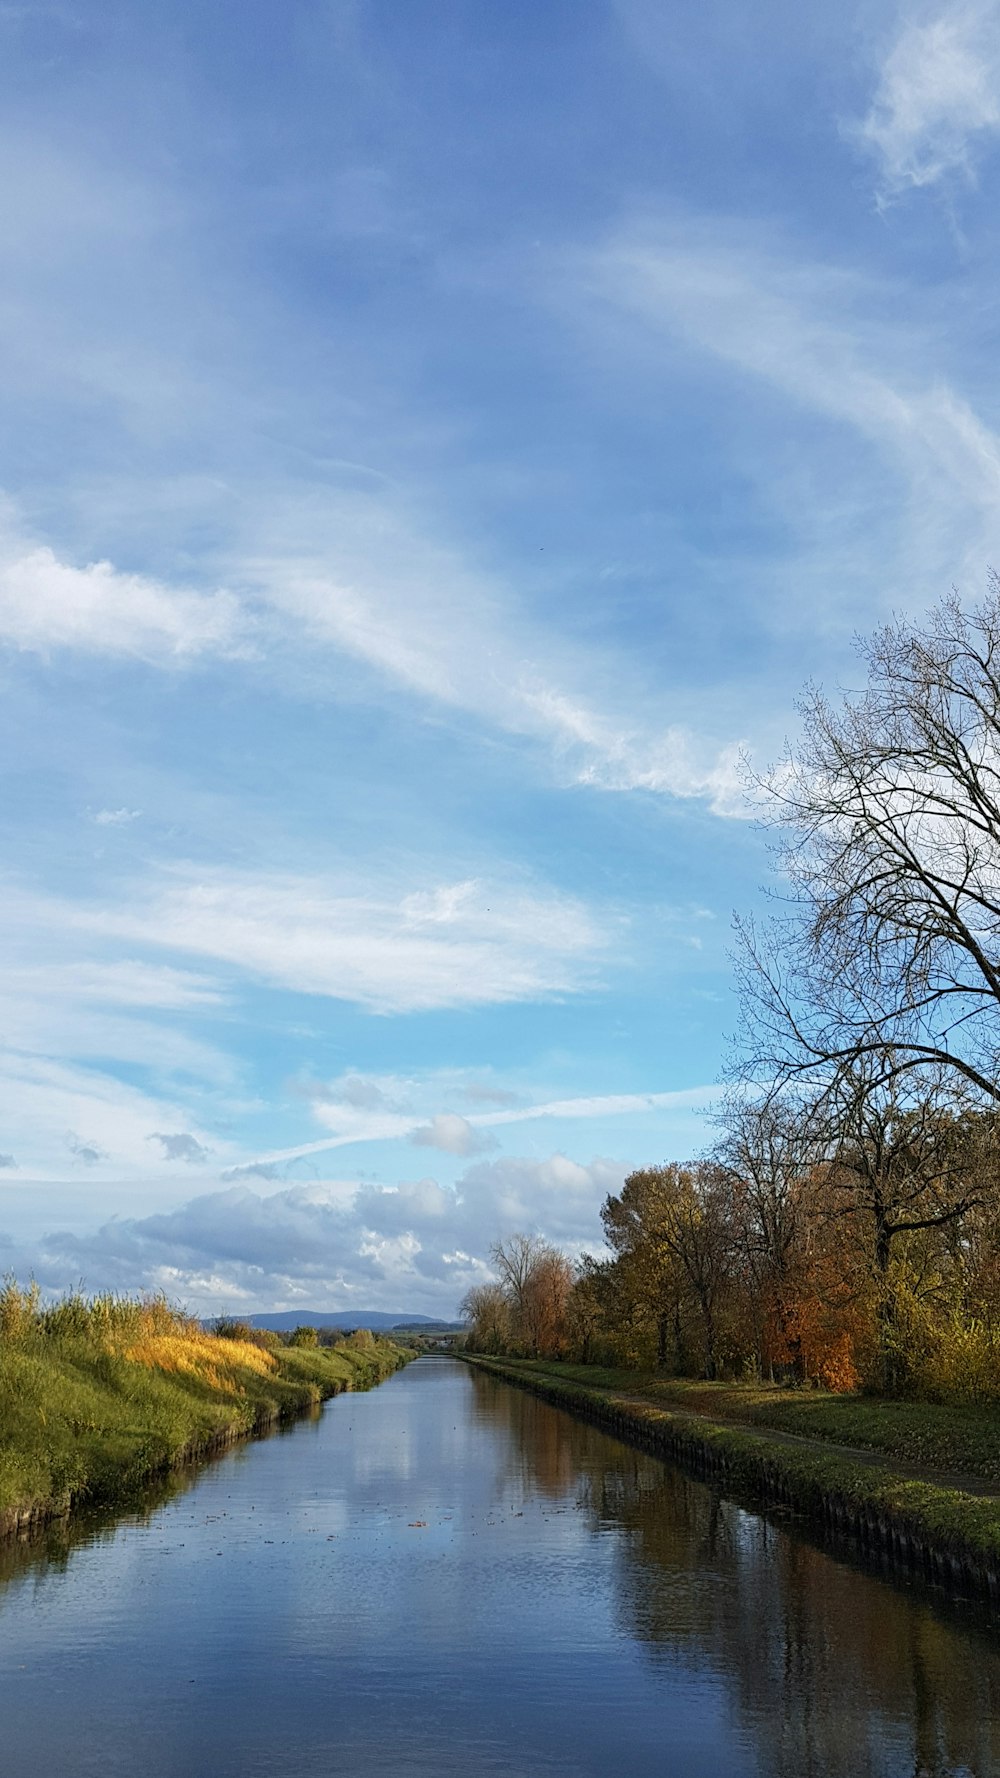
point(97, 1396)
point(448, 1576)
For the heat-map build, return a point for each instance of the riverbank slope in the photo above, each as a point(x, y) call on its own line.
point(918, 1484)
point(90, 1411)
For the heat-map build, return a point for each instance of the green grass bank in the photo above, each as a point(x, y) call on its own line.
point(96, 1399)
point(911, 1482)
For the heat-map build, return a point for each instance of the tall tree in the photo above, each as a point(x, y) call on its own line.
point(888, 817)
point(906, 1157)
point(487, 1310)
point(681, 1215)
point(769, 1147)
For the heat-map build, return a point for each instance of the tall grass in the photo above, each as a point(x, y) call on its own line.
point(97, 1394)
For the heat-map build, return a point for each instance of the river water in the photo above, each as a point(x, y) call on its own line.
point(449, 1577)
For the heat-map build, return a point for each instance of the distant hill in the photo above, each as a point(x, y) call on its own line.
point(374, 1319)
point(430, 1327)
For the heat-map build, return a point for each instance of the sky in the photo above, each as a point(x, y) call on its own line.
point(439, 442)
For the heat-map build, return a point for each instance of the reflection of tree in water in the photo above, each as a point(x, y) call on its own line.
point(834, 1673)
point(535, 1452)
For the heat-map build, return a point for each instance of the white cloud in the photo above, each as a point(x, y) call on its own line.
point(378, 590)
point(50, 1109)
point(349, 1125)
point(339, 1243)
point(120, 982)
point(605, 1105)
point(469, 943)
point(938, 96)
point(452, 1134)
point(68, 1021)
point(47, 604)
point(100, 1009)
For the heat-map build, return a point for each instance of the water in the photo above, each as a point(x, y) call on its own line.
point(448, 1576)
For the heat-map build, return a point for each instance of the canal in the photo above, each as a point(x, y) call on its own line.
point(450, 1577)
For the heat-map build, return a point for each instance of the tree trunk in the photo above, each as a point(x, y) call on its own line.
point(885, 1307)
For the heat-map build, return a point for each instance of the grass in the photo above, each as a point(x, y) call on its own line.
point(939, 1529)
point(954, 1440)
point(97, 1397)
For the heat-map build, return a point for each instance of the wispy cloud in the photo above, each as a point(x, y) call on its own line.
point(348, 1126)
point(119, 981)
point(467, 943)
point(106, 1014)
point(381, 588)
point(817, 336)
point(47, 604)
point(938, 95)
point(378, 589)
point(53, 1112)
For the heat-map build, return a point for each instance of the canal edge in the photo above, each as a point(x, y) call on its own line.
point(941, 1535)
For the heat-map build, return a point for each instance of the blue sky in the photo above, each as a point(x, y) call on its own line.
point(436, 440)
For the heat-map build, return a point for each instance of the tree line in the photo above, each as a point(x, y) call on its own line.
point(845, 1225)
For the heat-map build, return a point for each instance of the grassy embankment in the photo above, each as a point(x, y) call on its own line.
point(97, 1397)
point(910, 1479)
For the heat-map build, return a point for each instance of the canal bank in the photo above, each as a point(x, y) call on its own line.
point(948, 1534)
point(85, 1424)
point(448, 1575)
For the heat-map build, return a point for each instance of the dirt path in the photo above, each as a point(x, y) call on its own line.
point(961, 1481)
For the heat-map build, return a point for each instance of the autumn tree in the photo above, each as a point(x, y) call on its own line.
point(486, 1308)
point(907, 1158)
point(769, 1147)
point(587, 1308)
point(545, 1302)
point(679, 1219)
point(515, 1257)
point(526, 1309)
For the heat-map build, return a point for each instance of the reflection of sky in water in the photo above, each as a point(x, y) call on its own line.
point(447, 1576)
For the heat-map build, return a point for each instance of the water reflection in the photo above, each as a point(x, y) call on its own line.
point(833, 1670)
point(48, 1547)
point(448, 1576)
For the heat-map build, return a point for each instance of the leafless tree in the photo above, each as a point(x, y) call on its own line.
point(899, 1161)
point(515, 1258)
point(536, 1279)
point(888, 816)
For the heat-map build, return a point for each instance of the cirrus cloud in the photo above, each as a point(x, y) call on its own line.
point(938, 96)
point(466, 943)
